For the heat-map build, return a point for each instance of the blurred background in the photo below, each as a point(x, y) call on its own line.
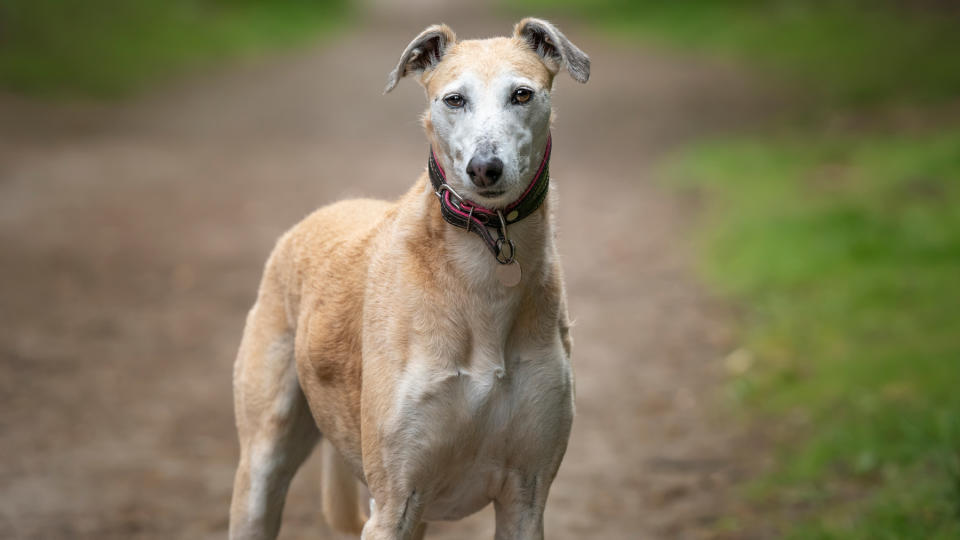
point(759, 217)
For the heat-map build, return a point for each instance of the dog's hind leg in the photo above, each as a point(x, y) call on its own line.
point(339, 494)
point(274, 424)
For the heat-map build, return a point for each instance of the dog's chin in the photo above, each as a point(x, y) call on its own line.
point(493, 198)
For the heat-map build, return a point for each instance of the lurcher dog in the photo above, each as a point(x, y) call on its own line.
point(426, 339)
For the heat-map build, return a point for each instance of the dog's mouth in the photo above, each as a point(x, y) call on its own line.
point(491, 193)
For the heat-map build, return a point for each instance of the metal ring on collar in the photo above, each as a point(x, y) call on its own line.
point(501, 258)
point(452, 191)
point(504, 236)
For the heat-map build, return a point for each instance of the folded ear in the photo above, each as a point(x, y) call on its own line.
point(423, 53)
point(555, 49)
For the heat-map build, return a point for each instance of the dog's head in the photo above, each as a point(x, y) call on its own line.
point(489, 103)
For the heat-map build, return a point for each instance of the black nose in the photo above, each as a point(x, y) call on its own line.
point(484, 171)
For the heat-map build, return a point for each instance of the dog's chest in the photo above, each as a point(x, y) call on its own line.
point(498, 409)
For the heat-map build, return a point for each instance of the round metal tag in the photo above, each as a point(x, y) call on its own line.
point(509, 274)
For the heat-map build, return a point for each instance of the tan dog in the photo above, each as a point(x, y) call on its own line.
point(426, 339)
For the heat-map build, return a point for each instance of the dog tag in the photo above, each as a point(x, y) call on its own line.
point(509, 274)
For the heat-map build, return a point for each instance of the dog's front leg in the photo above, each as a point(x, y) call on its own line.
point(519, 507)
point(397, 504)
point(396, 518)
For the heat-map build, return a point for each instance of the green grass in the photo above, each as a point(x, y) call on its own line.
point(842, 51)
point(845, 253)
point(108, 48)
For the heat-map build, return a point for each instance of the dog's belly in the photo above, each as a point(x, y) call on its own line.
point(475, 426)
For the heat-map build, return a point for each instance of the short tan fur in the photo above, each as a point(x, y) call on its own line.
point(383, 329)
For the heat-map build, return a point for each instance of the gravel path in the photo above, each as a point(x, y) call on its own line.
point(133, 236)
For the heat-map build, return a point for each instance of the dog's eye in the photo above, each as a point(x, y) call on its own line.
point(522, 95)
point(454, 101)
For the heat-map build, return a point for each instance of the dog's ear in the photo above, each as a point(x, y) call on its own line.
point(554, 48)
point(423, 53)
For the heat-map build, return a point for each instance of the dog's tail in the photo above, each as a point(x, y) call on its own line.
point(340, 498)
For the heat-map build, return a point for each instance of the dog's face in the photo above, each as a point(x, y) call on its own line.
point(489, 104)
point(489, 116)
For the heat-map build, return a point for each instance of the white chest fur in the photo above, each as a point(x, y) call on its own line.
point(470, 424)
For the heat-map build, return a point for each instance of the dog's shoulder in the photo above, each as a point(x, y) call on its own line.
point(327, 249)
point(335, 232)
point(343, 221)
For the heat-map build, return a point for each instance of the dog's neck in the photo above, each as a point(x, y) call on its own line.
point(466, 254)
point(533, 243)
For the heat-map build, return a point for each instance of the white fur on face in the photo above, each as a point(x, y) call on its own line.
point(489, 121)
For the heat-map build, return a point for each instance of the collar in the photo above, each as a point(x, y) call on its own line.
point(468, 215)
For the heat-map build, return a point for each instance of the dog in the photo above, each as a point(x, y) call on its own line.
point(426, 339)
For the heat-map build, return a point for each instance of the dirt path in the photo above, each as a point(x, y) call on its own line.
point(133, 236)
